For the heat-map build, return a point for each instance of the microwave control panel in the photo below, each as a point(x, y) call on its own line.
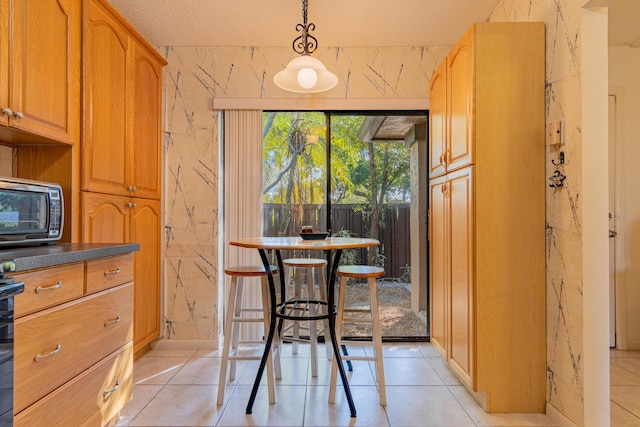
point(55, 222)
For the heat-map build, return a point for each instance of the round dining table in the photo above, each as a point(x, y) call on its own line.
point(332, 247)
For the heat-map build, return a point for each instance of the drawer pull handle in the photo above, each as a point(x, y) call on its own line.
point(112, 272)
point(112, 322)
point(39, 357)
point(41, 289)
point(106, 392)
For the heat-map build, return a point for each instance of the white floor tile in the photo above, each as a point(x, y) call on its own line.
point(179, 405)
point(179, 388)
point(425, 406)
point(285, 412)
point(156, 370)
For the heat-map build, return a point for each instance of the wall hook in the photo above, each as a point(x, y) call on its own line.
point(560, 159)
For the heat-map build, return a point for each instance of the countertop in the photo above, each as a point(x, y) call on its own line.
point(32, 257)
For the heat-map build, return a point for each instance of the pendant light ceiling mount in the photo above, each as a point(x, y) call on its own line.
point(305, 74)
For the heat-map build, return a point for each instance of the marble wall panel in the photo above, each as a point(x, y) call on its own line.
point(191, 201)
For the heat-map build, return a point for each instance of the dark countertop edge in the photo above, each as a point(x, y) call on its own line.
point(33, 257)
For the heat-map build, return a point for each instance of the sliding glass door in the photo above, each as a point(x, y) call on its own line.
point(348, 173)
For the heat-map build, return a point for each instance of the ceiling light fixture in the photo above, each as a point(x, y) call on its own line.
point(305, 74)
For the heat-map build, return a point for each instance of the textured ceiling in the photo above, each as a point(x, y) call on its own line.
point(338, 22)
point(273, 22)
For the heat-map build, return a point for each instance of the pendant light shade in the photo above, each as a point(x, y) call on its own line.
point(305, 74)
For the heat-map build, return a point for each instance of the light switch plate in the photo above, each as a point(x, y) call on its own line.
point(554, 133)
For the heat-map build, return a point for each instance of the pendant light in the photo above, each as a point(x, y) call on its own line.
point(305, 74)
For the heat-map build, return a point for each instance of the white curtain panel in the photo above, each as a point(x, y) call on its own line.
point(242, 210)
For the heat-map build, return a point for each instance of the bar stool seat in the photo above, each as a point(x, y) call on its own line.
point(309, 266)
point(237, 314)
point(369, 273)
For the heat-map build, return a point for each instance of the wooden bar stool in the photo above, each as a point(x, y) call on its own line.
point(308, 266)
point(238, 314)
point(371, 274)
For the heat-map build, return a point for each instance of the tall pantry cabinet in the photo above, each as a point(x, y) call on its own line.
point(486, 216)
point(122, 152)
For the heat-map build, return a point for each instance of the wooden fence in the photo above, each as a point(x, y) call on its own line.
point(394, 237)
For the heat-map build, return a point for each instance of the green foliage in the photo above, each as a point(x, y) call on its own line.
point(349, 256)
point(370, 174)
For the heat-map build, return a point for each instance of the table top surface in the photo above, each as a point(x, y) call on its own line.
point(294, 243)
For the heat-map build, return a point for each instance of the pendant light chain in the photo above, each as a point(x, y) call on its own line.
point(305, 44)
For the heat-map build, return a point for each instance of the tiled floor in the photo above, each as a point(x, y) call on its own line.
point(179, 388)
point(625, 388)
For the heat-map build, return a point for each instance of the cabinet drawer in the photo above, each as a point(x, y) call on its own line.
point(56, 344)
point(108, 272)
point(49, 287)
point(88, 394)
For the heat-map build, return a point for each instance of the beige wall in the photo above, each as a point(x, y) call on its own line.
point(198, 78)
point(624, 69)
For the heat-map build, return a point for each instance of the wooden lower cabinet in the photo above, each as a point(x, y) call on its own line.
point(452, 322)
point(92, 399)
point(117, 219)
point(74, 343)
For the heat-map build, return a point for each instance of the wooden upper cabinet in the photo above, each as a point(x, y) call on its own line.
point(40, 67)
point(437, 114)
point(106, 139)
point(4, 60)
point(122, 147)
point(460, 104)
point(451, 109)
point(147, 125)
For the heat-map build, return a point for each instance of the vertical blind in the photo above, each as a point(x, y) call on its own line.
point(242, 210)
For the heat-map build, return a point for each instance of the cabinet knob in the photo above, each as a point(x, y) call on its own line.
point(7, 111)
point(18, 115)
point(131, 188)
point(131, 205)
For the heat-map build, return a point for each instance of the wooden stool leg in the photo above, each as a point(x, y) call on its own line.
point(297, 293)
point(276, 345)
point(377, 339)
point(338, 326)
point(227, 340)
point(322, 284)
point(235, 328)
point(265, 316)
point(313, 329)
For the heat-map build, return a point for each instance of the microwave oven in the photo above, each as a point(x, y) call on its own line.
point(31, 212)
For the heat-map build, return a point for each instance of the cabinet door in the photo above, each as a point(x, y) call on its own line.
point(438, 266)
point(106, 129)
point(4, 60)
point(460, 104)
point(145, 230)
point(462, 340)
point(437, 122)
point(147, 110)
point(105, 218)
point(44, 92)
